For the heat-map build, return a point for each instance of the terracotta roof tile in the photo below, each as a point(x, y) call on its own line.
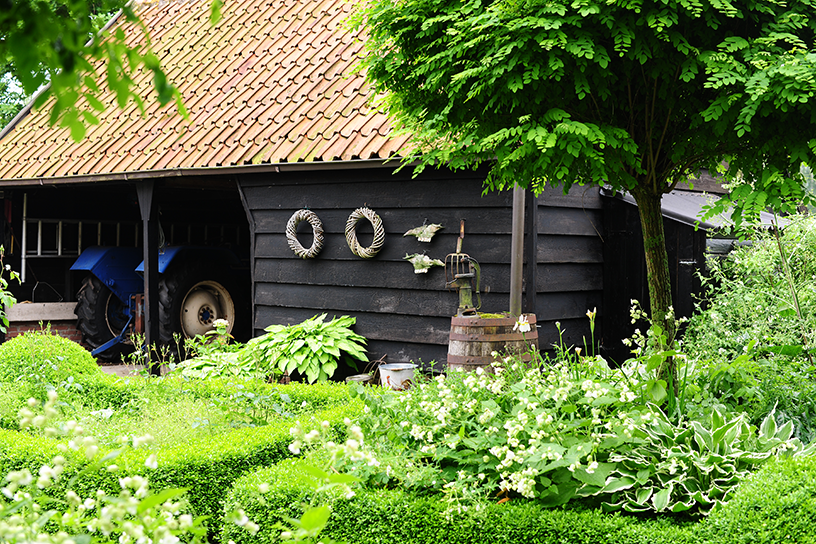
point(271, 82)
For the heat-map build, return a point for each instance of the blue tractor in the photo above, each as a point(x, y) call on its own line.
point(197, 285)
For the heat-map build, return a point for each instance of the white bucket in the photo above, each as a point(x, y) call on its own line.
point(397, 376)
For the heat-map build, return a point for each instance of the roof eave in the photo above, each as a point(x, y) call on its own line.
point(306, 166)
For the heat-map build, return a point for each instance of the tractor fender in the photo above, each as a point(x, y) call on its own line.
point(172, 254)
point(115, 267)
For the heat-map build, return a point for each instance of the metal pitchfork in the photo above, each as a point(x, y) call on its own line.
point(460, 272)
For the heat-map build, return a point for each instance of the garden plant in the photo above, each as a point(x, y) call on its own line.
point(215, 451)
point(753, 344)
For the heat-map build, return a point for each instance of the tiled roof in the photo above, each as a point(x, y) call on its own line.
point(272, 82)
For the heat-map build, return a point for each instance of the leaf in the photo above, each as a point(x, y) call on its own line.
point(642, 495)
point(768, 427)
point(657, 390)
point(342, 479)
point(660, 500)
point(315, 518)
point(159, 498)
point(596, 478)
point(702, 436)
point(791, 350)
point(617, 484)
point(785, 431)
point(215, 11)
point(318, 473)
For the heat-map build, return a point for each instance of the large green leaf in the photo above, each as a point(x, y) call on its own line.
point(614, 484)
point(660, 500)
point(315, 518)
point(159, 498)
point(768, 427)
point(597, 477)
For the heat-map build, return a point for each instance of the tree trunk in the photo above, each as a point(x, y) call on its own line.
point(657, 274)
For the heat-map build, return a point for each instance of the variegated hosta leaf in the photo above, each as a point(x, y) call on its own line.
point(693, 474)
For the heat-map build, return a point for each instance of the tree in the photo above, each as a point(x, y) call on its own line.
point(57, 42)
point(636, 95)
point(12, 98)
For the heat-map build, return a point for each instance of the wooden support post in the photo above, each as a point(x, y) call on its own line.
point(531, 253)
point(517, 252)
point(150, 233)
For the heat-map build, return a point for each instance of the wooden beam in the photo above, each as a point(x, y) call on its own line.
point(145, 190)
point(517, 252)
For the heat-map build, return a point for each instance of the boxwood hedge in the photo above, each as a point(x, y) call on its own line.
point(205, 466)
point(777, 505)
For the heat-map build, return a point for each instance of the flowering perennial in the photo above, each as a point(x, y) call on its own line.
point(554, 432)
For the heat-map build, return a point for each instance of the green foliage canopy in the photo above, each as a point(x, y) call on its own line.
point(636, 95)
point(57, 42)
point(633, 94)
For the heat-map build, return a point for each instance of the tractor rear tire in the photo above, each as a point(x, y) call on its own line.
point(193, 295)
point(100, 316)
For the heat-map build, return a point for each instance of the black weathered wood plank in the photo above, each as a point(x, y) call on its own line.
point(562, 277)
point(391, 328)
point(560, 306)
point(579, 197)
point(387, 274)
point(573, 333)
point(569, 249)
point(555, 277)
point(375, 300)
point(397, 221)
point(361, 175)
point(482, 247)
point(574, 221)
point(381, 194)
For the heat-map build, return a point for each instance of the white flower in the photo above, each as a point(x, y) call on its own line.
point(151, 462)
point(522, 325)
point(294, 447)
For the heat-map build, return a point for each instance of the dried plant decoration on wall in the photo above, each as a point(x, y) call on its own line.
point(317, 231)
point(422, 263)
point(424, 233)
point(351, 233)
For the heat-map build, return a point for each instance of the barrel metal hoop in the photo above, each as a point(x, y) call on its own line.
point(513, 336)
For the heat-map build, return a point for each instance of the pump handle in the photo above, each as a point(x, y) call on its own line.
point(461, 236)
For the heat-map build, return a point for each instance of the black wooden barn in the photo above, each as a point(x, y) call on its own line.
point(279, 122)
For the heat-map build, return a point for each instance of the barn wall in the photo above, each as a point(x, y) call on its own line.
point(404, 315)
point(569, 266)
point(625, 270)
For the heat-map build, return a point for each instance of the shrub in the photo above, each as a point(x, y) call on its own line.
point(273, 495)
point(43, 357)
point(39, 360)
point(753, 344)
point(312, 347)
point(206, 465)
point(39, 505)
point(268, 496)
point(778, 504)
point(554, 433)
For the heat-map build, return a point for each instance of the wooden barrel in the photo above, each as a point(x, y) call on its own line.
point(474, 339)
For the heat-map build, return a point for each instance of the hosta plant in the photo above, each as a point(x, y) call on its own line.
point(311, 348)
point(677, 467)
point(555, 432)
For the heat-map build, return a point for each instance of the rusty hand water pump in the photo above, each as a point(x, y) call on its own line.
point(462, 273)
point(475, 340)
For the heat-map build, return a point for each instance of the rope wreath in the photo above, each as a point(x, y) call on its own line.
point(317, 231)
point(351, 234)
